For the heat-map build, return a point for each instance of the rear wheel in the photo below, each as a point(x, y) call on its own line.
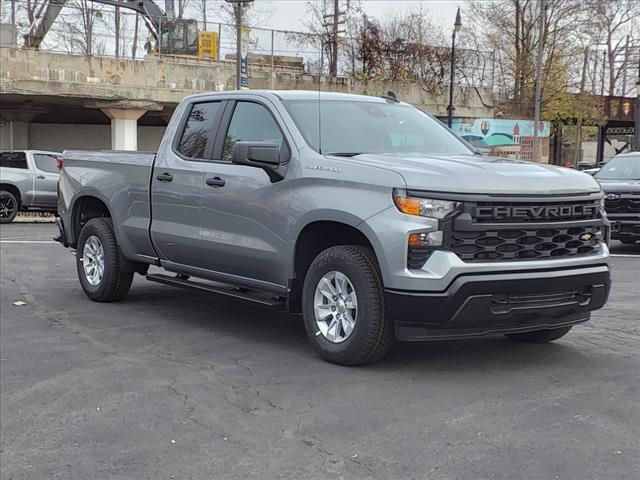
point(98, 262)
point(540, 336)
point(8, 206)
point(343, 307)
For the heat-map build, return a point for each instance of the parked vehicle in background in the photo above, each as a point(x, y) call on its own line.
point(28, 181)
point(620, 180)
point(364, 214)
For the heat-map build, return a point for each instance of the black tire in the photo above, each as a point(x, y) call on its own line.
point(114, 284)
point(540, 336)
point(372, 334)
point(8, 206)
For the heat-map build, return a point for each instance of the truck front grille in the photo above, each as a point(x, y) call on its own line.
point(622, 203)
point(524, 244)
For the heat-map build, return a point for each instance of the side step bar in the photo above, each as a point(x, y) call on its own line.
point(220, 289)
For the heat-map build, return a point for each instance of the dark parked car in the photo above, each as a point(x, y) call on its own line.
point(620, 180)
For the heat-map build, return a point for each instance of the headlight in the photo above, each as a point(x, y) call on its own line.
point(424, 207)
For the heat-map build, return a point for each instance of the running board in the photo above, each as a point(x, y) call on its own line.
point(219, 289)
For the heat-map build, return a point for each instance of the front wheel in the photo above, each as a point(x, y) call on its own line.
point(8, 206)
point(343, 306)
point(98, 262)
point(540, 336)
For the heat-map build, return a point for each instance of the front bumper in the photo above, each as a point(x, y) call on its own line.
point(497, 303)
point(625, 228)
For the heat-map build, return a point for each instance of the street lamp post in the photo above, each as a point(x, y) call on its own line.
point(456, 28)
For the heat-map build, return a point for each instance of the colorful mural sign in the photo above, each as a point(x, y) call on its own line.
point(505, 138)
point(485, 127)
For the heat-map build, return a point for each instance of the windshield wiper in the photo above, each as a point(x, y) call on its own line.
point(345, 154)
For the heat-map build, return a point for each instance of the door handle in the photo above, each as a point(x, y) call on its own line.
point(165, 177)
point(215, 182)
point(40, 177)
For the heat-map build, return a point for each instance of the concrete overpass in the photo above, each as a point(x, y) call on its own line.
point(54, 101)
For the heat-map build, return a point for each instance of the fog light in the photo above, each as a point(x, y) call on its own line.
point(425, 239)
point(420, 247)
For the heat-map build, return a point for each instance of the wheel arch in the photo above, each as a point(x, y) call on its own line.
point(312, 239)
point(15, 191)
point(84, 208)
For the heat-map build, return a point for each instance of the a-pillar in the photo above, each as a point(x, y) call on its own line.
point(124, 127)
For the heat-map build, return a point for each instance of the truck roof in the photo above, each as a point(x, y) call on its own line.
point(298, 95)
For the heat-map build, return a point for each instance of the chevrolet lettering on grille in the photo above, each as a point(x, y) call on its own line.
point(549, 211)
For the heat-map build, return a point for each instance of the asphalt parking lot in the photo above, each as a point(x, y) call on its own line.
point(172, 384)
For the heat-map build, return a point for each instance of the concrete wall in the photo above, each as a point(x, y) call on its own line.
point(32, 74)
point(57, 137)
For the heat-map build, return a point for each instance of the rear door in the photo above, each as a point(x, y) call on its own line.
point(45, 194)
point(16, 171)
point(176, 184)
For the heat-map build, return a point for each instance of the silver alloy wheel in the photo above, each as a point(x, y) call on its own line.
point(335, 306)
point(93, 260)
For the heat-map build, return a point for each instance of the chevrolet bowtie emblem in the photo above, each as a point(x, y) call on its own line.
point(585, 237)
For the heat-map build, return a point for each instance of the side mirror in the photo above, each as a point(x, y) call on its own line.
point(261, 155)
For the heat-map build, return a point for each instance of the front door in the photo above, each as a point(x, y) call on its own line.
point(242, 224)
point(176, 185)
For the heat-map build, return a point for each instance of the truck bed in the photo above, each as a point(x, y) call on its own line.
point(120, 179)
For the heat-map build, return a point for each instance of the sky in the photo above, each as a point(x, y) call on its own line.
point(288, 14)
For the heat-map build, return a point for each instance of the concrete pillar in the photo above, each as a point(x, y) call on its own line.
point(14, 126)
point(124, 127)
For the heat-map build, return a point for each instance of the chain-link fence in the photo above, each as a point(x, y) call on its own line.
point(92, 28)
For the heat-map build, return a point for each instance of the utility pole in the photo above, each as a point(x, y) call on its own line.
point(538, 99)
point(117, 30)
point(237, 6)
point(333, 31)
point(636, 136)
point(334, 60)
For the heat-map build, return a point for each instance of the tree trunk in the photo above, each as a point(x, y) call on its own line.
point(117, 30)
point(518, 67)
point(134, 47)
point(585, 65)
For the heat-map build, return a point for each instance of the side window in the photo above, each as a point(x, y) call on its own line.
point(46, 163)
point(251, 122)
point(200, 129)
point(13, 160)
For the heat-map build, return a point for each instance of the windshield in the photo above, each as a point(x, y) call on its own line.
point(621, 168)
point(354, 127)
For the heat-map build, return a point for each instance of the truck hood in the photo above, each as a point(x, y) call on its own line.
point(620, 186)
point(485, 175)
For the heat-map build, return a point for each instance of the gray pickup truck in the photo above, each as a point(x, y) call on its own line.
point(364, 214)
point(620, 180)
point(28, 180)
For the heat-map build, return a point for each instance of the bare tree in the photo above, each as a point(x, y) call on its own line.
point(612, 19)
point(78, 30)
point(333, 23)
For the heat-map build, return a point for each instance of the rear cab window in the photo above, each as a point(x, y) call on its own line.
point(200, 127)
point(46, 162)
point(13, 160)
